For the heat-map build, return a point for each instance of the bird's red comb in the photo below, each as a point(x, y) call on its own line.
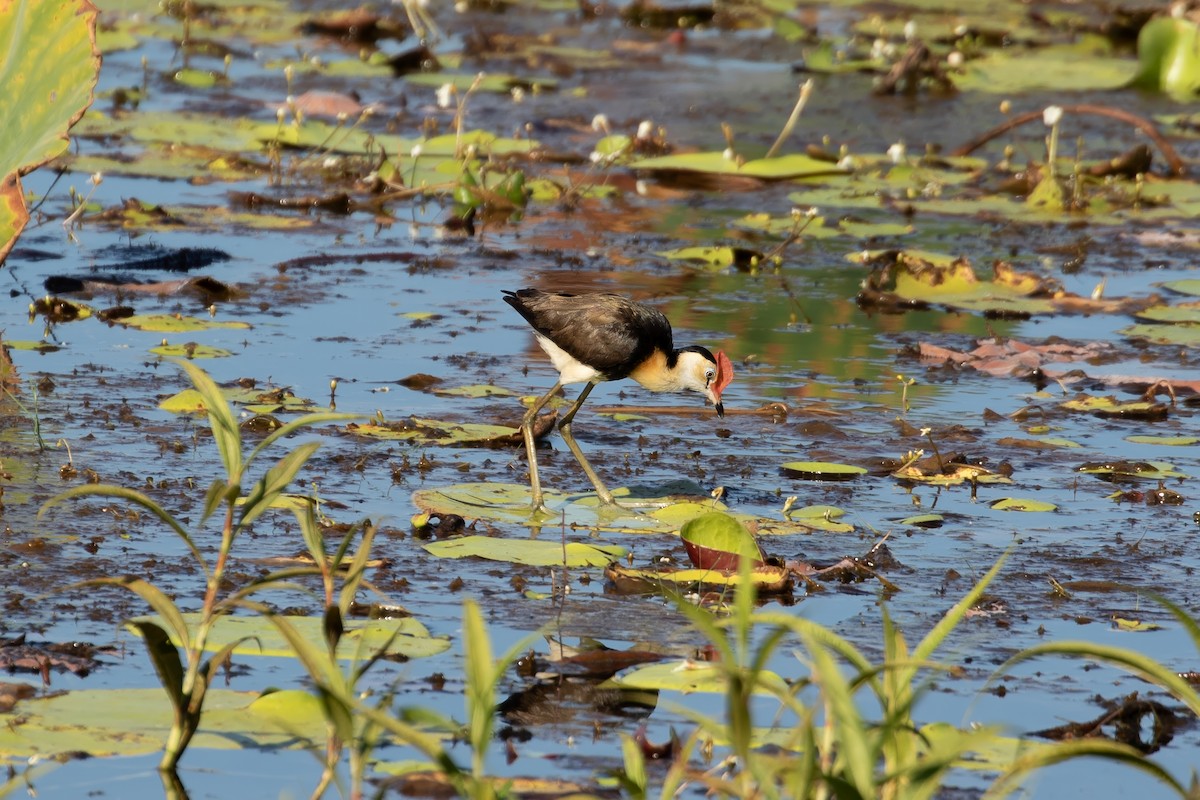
point(724, 373)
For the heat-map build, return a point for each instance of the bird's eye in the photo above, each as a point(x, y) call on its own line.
point(708, 376)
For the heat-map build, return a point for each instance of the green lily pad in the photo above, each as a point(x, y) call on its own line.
point(778, 168)
point(35, 346)
point(190, 350)
point(533, 552)
point(1188, 286)
point(1022, 504)
point(189, 401)
point(362, 637)
point(511, 502)
point(820, 518)
point(440, 432)
point(478, 390)
point(924, 521)
point(1111, 407)
point(172, 323)
point(1085, 66)
point(821, 470)
point(714, 257)
point(1183, 312)
point(689, 677)
point(1183, 333)
point(1168, 441)
point(765, 578)
point(718, 541)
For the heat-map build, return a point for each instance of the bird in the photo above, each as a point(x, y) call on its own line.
point(596, 337)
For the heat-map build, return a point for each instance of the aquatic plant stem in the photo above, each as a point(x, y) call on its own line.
point(805, 92)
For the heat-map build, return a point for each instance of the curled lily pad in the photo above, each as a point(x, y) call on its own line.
point(718, 541)
point(821, 470)
point(924, 521)
point(1022, 504)
point(533, 552)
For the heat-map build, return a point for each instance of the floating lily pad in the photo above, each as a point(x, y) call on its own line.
point(655, 512)
point(714, 257)
point(1022, 504)
point(440, 432)
point(780, 168)
point(1188, 286)
point(1184, 334)
point(1111, 407)
point(362, 637)
point(189, 401)
point(1183, 312)
point(924, 521)
point(173, 323)
point(820, 518)
point(477, 390)
point(689, 677)
point(190, 350)
point(1142, 470)
point(821, 470)
point(1168, 441)
point(718, 541)
point(765, 578)
point(533, 552)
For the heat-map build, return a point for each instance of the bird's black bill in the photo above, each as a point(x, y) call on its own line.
point(720, 409)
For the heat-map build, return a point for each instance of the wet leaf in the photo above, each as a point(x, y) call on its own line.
point(1188, 286)
point(1184, 334)
point(49, 63)
point(189, 401)
point(780, 168)
point(1022, 504)
point(1169, 441)
point(361, 638)
point(1087, 65)
point(821, 470)
point(1169, 57)
point(718, 541)
point(714, 257)
point(173, 323)
point(1111, 407)
point(478, 390)
point(924, 521)
point(1144, 470)
point(766, 579)
point(111, 722)
point(441, 432)
point(190, 350)
point(532, 552)
point(690, 677)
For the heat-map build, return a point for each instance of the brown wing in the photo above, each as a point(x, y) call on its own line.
point(608, 332)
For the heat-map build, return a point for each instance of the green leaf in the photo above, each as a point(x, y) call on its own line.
point(260, 636)
point(49, 64)
point(165, 659)
point(534, 552)
point(274, 482)
point(1169, 57)
point(689, 677)
point(821, 470)
point(1169, 441)
point(713, 535)
point(220, 417)
point(190, 350)
point(1022, 504)
point(779, 168)
point(173, 323)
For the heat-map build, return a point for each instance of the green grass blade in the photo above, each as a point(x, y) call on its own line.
point(949, 622)
point(274, 482)
point(852, 736)
point(165, 658)
point(306, 421)
point(220, 417)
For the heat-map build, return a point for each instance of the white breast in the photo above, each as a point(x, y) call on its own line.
point(570, 370)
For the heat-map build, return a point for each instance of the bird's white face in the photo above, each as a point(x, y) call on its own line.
point(706, 377)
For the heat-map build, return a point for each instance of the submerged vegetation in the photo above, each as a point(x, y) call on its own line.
point(396, 170)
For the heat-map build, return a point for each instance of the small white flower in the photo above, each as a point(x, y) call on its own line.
point(847, 162)
point(954, 60)
point(462, 7)
point(812, 212)
point(415, 152)
point(1005, 106)
point(600, 123)
point(331, 162)
point(645, 129)
point(728, 154)
point(97, 178)
point(518, 94)
point(288, 72)
point(961, 30)
point(342, 117)
point(445, 95)
point(595, 157)
point(878, 49)
point(897, 152)
point(642, 188)
point(1052, 115)
point(910, 30)
point(280, 113)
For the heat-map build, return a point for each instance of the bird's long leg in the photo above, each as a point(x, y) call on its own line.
point(564, 427)
point(535, 483)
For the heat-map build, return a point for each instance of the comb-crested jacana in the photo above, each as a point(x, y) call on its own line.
point(598, 337)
